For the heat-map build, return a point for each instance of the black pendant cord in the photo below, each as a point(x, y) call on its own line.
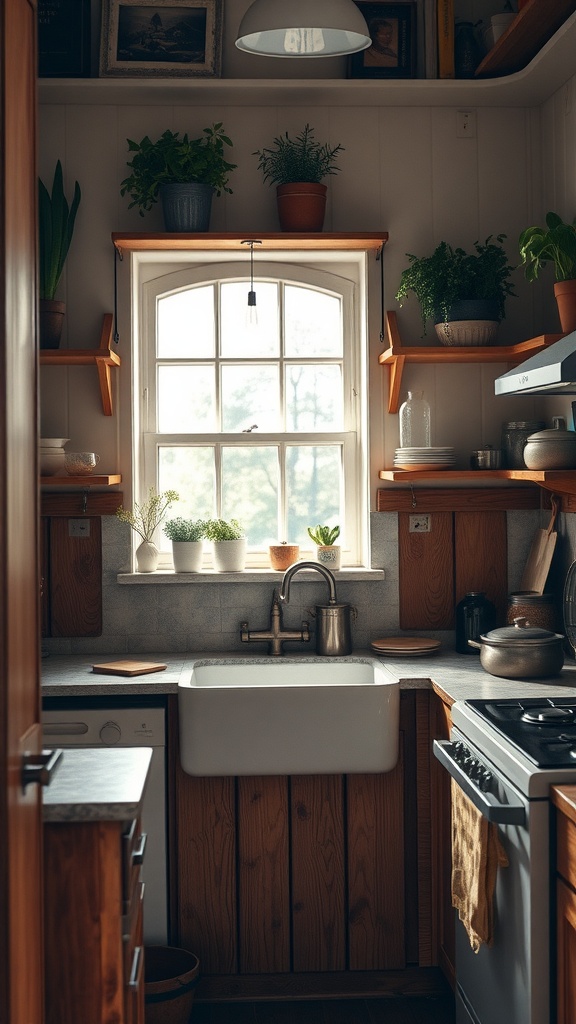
point(116, 334)
point(380, 256)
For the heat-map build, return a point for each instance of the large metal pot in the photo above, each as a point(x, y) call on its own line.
point(521, 651)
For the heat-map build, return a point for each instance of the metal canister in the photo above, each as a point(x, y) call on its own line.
point(514, 437)
point(538, 609)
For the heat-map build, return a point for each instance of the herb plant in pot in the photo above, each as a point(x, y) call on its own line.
point(464, 294)
point(555, 244)
point(229, 544)
point(183, 173)
point(55, 229)
point(144, 519)
point(186, 536)
point(297, 167)
point(327, 552)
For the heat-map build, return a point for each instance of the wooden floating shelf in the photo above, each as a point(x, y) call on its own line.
point(532, 27)
point(69, 482)
point(561, 481)
point(103, 358)
point(397, 355)
point(232, 240)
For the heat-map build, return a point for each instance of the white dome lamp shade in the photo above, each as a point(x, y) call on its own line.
point(303, 28)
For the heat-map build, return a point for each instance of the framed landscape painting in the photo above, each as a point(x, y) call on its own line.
point(161, 38)
point(392, 29)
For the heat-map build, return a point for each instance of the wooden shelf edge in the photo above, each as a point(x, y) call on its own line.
point(560, 481)
point(70, 482)
point(103, 358)
point(397, 354)
point(531, 29)
point(232, 240)
point(80, 503)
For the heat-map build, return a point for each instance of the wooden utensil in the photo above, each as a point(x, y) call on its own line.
point(539, 560)
point(128, 667)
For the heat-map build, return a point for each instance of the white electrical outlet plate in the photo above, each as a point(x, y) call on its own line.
point(78, 527)
point(419, 524)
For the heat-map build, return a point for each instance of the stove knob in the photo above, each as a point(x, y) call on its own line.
point(110, 733)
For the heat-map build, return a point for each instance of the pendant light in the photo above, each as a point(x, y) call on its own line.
point(303, 28)
point(251, 311)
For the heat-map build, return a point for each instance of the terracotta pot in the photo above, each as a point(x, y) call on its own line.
point(301, 206)
point(283, 555)
point(565, 292)
point(51, 320)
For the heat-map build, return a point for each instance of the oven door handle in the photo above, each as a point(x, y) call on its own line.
point(486, 803)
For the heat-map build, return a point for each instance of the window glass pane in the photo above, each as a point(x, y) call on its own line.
point(250, 492)
point(250, 398)
point(314, 397)
point(313, 323)
point(314, 489)
point(191, 472)
point(237, 339)
point(186, 399)
point(186, 324)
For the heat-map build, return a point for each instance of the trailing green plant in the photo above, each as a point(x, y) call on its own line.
point(175, 159)
point(556, 245)
point(55, 229)
point(299, 159)
point(144, 518)
point(221, 529)
point(450, 275)
point(323, 535)
point(180, 529)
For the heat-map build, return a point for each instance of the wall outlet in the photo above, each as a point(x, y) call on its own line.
point(419, 524)
point(465, 124)
point(78, 527)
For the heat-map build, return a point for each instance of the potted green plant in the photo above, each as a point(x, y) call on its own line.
point(144, 519)
point(183, 173)
point(229, 544)
point(555, 244)
point(327, 552)
point(186, 536)
point(56, 220)
point(297, 167)
point(452, 285)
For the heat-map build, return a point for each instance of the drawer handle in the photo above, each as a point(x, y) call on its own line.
point(138, 853)
point(136, 972)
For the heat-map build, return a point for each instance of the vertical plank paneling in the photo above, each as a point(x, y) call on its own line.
point(75, 577)
point(481, 556)
point(375, 812)
point(263, 875)
point(318, 890)
point(206, 871)
point(426, 573)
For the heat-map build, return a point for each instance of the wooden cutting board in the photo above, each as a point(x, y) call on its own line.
point(540, 557)
point(128, 668)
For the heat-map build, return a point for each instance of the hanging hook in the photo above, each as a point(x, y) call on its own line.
point(84, 502)
point(413, 496)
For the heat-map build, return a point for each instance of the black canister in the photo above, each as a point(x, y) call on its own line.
point(475, 615)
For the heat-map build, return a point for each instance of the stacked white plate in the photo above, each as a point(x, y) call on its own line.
point(51, 455)
point(424, 458)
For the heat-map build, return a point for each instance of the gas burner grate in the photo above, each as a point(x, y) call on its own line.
point(542, 728)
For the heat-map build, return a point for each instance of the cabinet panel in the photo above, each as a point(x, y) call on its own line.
point(426, 573)
point(566, 957)
point(480, 561)
point(75, 576)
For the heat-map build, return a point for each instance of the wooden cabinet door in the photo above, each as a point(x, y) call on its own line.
point(566, 938)
point(21, 961)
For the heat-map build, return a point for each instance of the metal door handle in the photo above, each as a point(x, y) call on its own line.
point(138, 853)
point(40, 768)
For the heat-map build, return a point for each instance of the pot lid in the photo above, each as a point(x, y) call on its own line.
point(521, 633)
point(553, 435)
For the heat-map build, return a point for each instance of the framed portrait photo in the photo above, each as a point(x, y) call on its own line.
point(161, 38)
point(392, 29)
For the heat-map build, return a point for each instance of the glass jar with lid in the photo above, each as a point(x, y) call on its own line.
point(414, 415)
point(514, 437)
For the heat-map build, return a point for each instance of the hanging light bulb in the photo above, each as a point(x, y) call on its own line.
point(251, 316)
point(303, 28)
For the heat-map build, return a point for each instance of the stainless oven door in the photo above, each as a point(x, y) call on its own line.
point(509, 982)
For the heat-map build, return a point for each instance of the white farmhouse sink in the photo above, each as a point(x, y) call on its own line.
point(288, 717)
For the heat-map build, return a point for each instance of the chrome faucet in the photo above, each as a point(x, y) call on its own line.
point(293, 569)
point(275, 634)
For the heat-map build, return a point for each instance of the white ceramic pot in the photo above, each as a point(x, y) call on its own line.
point(329, 555)
point(187, 555)
point(229, 555)
point(147, 556)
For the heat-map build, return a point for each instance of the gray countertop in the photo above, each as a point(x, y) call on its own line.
point(454, 676)
point(97, 785)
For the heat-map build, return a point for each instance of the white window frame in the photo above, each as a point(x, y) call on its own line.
point(335, 272)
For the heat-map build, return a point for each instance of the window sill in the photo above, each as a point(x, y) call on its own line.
point(354, 574)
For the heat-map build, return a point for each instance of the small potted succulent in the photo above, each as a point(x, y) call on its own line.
point(297, 167)
point(186, 536)
point(229, 544)
point(327, 552)
point(183, 173)
point(55, 228)
point(144, 519)
point(453, 286)
point(555, 244)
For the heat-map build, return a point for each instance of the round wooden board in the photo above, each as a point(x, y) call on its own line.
point(405, 645)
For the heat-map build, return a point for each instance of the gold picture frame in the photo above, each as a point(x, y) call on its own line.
point(161, 39)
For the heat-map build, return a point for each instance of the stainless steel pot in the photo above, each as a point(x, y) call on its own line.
point(521, 651)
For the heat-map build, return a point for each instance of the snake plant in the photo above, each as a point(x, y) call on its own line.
point(56, 225)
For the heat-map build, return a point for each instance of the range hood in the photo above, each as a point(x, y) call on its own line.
point(552, 371)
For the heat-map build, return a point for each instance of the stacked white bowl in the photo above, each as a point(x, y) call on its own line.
point(51, 455)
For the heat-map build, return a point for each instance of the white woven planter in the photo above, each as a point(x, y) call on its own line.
point(187, 555)
point(229, 555)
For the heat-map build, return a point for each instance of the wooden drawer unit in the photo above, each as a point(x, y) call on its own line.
point(566, 847)
point(94, 923)
point(564, 798)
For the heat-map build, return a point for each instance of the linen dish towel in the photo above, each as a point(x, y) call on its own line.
point(477, 853)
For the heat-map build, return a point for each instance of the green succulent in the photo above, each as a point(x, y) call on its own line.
point(220, 529)
point(556, 245)
point(55, 228)
point(323, 535)
point(180, 529)
point(299, 159)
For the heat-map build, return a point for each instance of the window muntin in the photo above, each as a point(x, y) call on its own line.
point(279, 457)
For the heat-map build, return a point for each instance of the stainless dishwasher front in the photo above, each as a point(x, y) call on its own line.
point(79, 723)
